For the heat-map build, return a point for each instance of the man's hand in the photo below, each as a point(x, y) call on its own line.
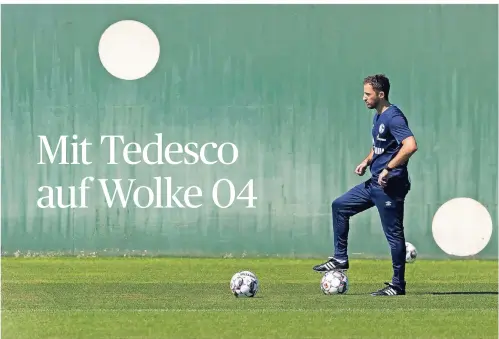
point(383, 178)
point(361, 168)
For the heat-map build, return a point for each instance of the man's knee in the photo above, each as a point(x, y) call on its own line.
point(395, 238)
point(337, 204)
point(394, 230)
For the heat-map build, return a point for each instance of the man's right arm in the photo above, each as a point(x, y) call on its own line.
point(369, 157)
point(362, 167)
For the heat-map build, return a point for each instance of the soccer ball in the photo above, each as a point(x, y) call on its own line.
point(244, 284)
point(410, 253)
point(334, 282)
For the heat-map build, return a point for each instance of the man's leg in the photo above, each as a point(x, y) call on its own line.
point(390, 204)
point(356, 200)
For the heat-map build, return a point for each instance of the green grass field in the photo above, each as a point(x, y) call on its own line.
point(190, 298)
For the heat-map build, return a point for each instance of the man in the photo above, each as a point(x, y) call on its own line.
point(393, 145)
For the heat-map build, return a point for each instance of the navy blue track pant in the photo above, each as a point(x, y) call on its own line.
point(390, 204)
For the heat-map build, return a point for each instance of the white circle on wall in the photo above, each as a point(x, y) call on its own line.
point(129, 50)
point(462, 227)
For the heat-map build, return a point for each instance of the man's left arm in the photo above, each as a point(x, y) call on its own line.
point(400, 130)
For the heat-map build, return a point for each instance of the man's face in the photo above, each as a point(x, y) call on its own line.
point(371, 98)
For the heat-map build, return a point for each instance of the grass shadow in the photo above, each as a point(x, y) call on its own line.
point(465, 293)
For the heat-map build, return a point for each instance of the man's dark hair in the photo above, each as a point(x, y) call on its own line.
point(379, 82)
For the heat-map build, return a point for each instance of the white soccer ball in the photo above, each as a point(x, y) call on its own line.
point(410, 253)
point(334, 282)
point(244, 284)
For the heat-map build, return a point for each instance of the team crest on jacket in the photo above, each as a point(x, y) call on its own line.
point(381, 128)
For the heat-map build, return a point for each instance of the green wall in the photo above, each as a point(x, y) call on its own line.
point(283, 83)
